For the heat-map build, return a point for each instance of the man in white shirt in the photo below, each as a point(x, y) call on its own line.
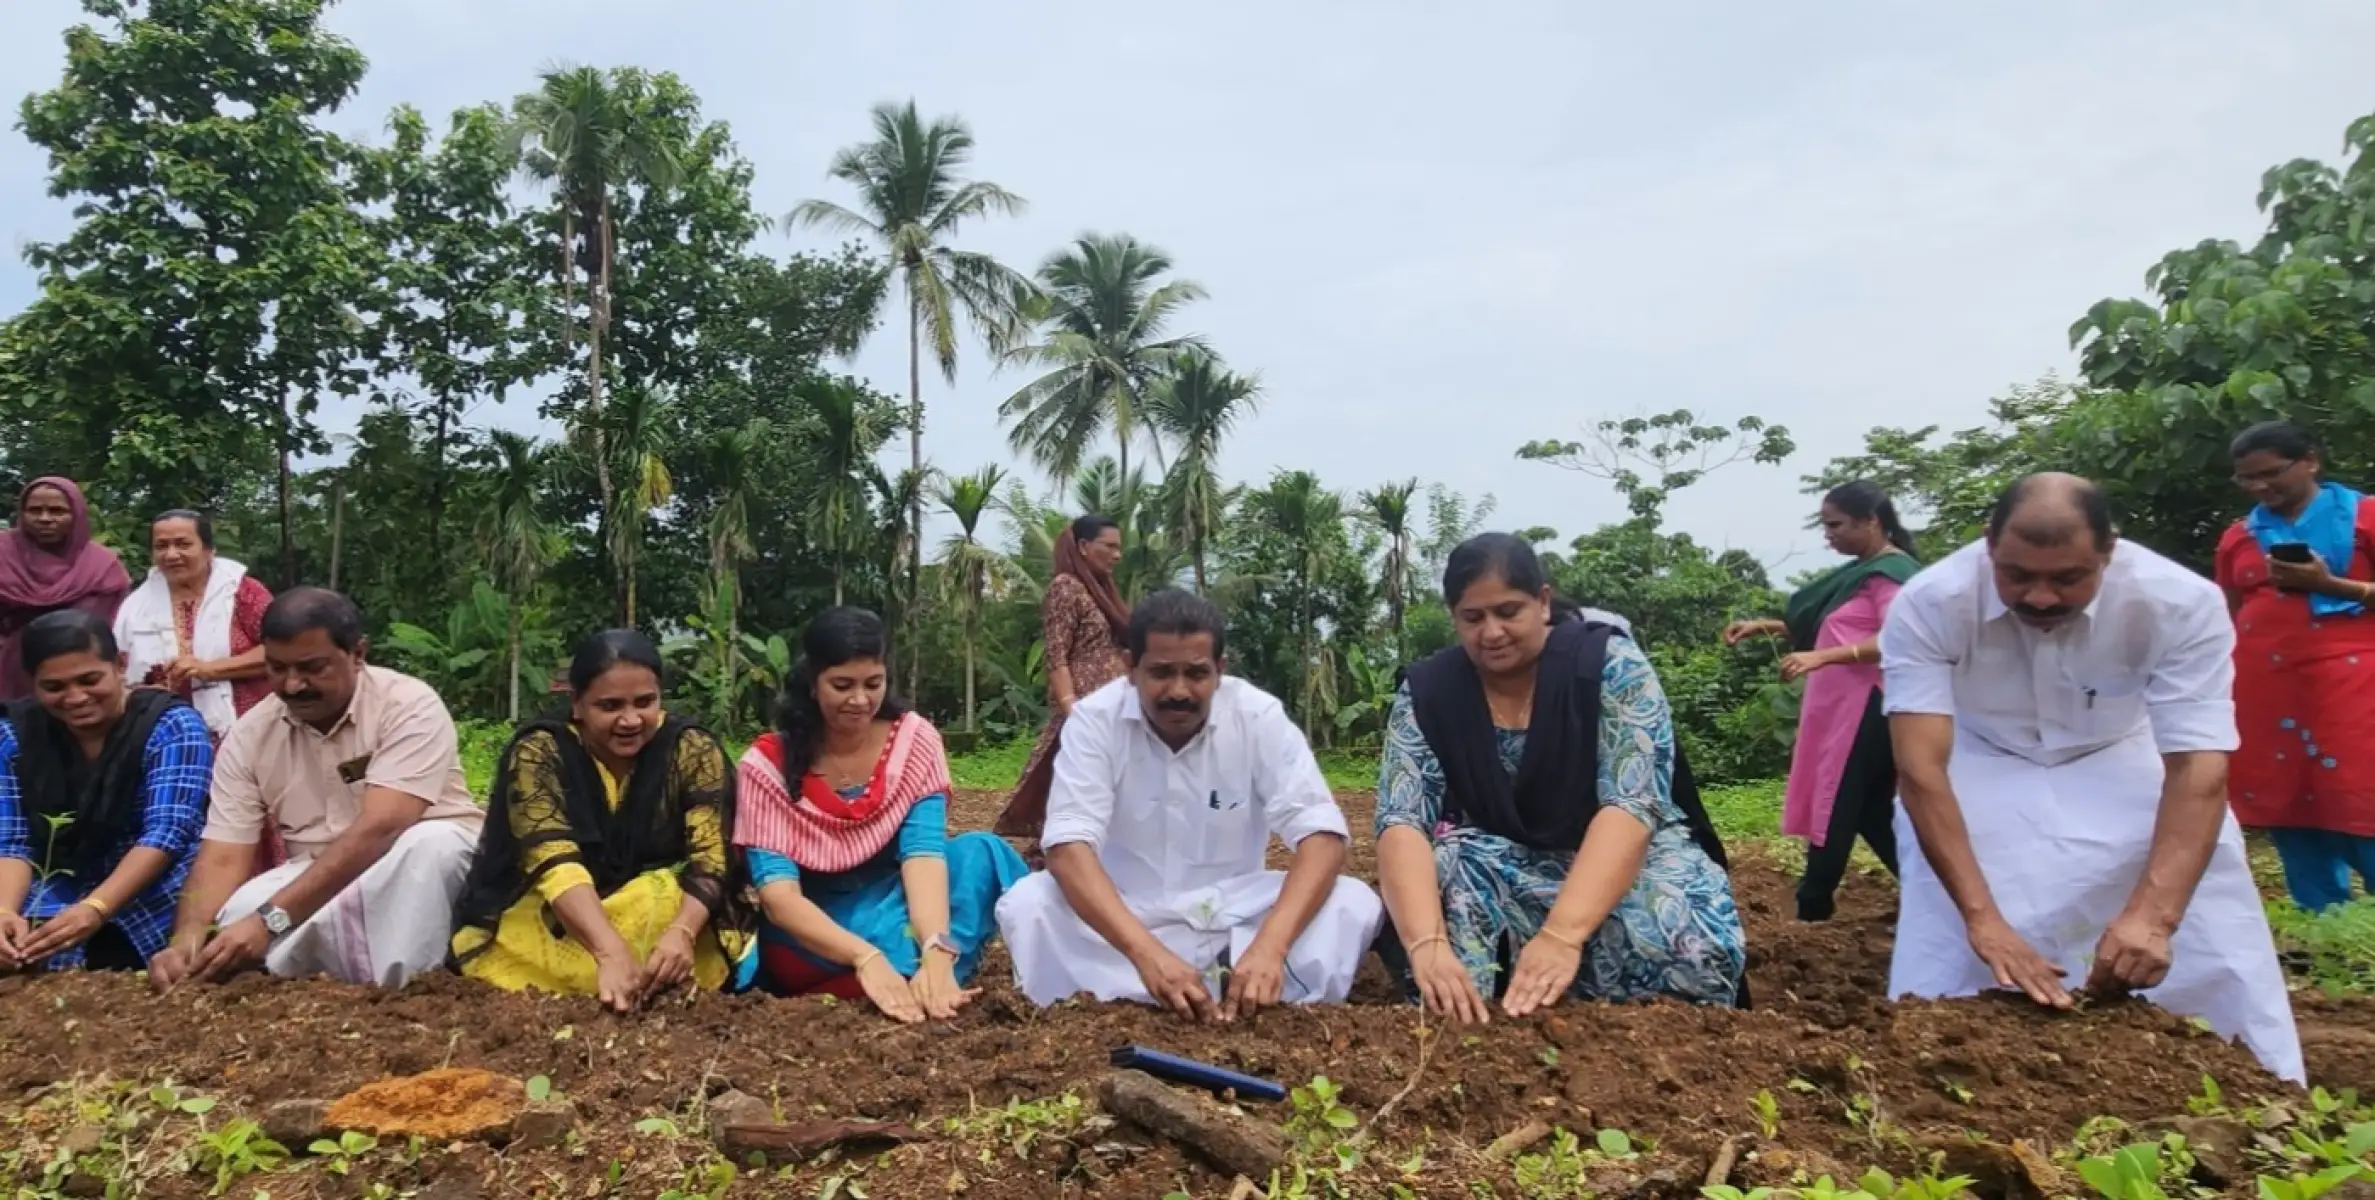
point(2060, 702)
point(1167, 789)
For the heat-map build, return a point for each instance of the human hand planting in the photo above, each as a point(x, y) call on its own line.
point(2133, 954)
point(13, 931)
point(1257, 981)
point(1174, 984)
point(1545, 969)
point(619, 981)
point(935, 987)
point(1444, 987)
point(2016, 964)
point(240, 946)
point(888, 989)
point(73, 926)
point(671, 963)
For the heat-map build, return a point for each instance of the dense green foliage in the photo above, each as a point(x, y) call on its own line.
point(591, 247)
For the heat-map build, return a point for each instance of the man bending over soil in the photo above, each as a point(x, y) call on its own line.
point(2060, 701)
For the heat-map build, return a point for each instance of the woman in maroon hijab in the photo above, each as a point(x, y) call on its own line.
point(49, 562)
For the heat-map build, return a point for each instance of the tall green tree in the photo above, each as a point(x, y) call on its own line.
point(1197, 401)
point(912, 198)
point(1103, 311)
point(518, 539)
point(969, 568)
point(216, 276)
point(1388, 507)
point(582, 134)
point(843, 455)
point(459, 299)
point(638, 433)
point(1309, 519)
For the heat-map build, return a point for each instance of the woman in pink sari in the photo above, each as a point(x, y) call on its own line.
point(49, 562)
point(1843, 775)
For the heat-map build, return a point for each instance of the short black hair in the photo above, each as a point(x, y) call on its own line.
point(204, 523)
point(1179, 613)
point(2091, 506)
point(297, 610)
point(1088, 527)
point(62, 632)
point(2283, 439)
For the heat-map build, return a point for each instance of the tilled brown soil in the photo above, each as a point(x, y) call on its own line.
point(1857, 1081)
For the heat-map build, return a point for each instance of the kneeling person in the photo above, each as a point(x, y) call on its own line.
point(1167, 790)
point(358, 768)
point(603, 869)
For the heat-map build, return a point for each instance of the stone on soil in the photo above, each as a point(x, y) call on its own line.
point(1236, 1144)
point(2217, 1144)
point(447, 1104)
point(543, 1124)
point(730, 1108)
point(296, 1124)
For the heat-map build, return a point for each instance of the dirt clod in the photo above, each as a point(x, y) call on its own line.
point(543, 1124)
point(296, 1124)
point(447, 1104)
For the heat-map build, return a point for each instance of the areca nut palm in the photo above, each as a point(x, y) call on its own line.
point(970, 570)
point(1388, 507)
point(843, 459)
point(581, 132)
point(520, 543)
point(1196, 401)
point(1103, 314)
point(912, 197)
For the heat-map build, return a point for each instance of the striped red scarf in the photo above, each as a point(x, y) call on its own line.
point(819, 829)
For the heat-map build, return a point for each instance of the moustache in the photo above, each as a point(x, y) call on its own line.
point(302, 698)
point(2055, 613)
point(1176, 706)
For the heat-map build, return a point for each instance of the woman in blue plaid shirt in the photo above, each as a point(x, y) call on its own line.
point(102, 793)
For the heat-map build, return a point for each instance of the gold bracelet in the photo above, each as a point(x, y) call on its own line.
point(1413, 948)
point(97, 905)
point(864, 959)
point(1561, 939)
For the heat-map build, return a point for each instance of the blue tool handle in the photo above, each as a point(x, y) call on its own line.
point(1188, 1071)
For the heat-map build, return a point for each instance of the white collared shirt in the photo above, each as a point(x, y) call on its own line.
point(1168, 823)
point(2153, 652)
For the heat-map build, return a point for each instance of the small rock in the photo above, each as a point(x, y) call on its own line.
point(732, 1107)
point(445, 1105)
point(83, 1139)
point(1237, 1144)
point(543, 1124)
point(2217, 1144)
point(296, 1124)
point(2011, 1171)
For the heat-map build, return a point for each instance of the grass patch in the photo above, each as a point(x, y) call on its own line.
point(2335, 949)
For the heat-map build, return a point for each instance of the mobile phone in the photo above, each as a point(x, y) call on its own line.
point(2289, 552)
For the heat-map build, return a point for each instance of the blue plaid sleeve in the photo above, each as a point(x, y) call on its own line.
point(16, 837)
point(179, 763)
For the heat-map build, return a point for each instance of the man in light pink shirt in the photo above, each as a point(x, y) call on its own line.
point(359, 770)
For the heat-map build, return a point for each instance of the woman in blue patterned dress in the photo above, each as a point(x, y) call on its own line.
point(1577, 862)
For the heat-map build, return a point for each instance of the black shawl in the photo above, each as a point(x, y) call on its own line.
point(105, 798)
point(645, 833)
point(1556, 792)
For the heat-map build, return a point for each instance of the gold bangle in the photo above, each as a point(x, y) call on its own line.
point(97, 905)
point(1413, 948)
point(864, 959)
point(1561, 939)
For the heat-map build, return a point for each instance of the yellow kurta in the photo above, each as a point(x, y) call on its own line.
point(530, 948)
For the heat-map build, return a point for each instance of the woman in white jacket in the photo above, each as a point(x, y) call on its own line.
point(195, 626)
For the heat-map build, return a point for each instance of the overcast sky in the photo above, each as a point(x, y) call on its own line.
point(1438, 232)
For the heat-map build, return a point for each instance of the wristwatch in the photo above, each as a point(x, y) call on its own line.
point(276, 920)
point(945, 944)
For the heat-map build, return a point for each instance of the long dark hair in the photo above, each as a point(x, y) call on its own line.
point(1508, 558)
point(836, 636)
point(1864, 500)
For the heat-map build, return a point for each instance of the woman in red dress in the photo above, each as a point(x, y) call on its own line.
point(1086, 624)
point(2299, 573)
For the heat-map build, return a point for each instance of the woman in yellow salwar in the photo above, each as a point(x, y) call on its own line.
point(604, 868)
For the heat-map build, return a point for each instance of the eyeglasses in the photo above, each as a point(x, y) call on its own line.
point(2269, 475)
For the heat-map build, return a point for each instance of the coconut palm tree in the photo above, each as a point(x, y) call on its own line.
point(1102, 315)
point(969, 570)
point(580, 132)
point(912, 198)
point(1388, 508)
point(1196, 400)
point(520, 543)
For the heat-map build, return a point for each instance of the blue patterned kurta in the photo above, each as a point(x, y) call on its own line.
point(179, 764)
point(1675, 933)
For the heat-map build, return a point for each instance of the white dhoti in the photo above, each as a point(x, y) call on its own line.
point(387, 926)
point(2062, 848)
point(1057, 955)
